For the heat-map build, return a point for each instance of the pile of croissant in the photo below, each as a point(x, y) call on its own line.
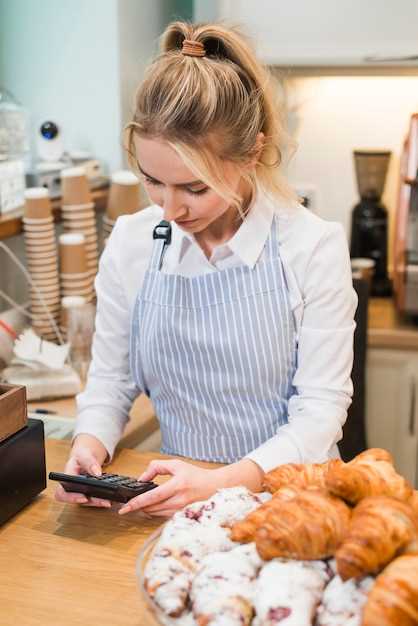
point(362, 513)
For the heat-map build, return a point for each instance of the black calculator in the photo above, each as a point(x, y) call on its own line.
point(108, 486)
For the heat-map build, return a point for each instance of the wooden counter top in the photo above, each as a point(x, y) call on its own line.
point(68, 565)
point(142, 422)
point(387, 329)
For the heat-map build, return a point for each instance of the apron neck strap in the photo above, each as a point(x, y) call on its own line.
point(272, 243)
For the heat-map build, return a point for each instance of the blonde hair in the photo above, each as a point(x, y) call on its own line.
point(210, 109)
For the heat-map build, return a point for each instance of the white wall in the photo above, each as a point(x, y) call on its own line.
point(140, 24)
point(78, 63)
point(60, 59)
point(330, 116)
point(206, 10)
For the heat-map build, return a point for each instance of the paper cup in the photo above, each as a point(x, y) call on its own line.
point(76, 284)
point(39, 273)
point(41, 284)
point(68, 303)
point(38, 312)
point(91, 252)
point(75, 187)
point(77, 208)
point(37, 203)
point(33, 253)
point(49, 255)
point(40, 318)
point(38, 228)
point(92, 247)
point(363, 266)
point(80, 226)
point(79, 276)
point(124, 194)
point(33, 261)
point(46, 291)
point(89, 232)
point(52, 298)
point(51, 288)
point(72, 253)
point(30, 222)
point(35, 237)
point(68, 290)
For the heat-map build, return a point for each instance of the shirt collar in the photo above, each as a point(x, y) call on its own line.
point(247, 243)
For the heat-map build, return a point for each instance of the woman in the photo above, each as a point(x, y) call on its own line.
point(235, 314)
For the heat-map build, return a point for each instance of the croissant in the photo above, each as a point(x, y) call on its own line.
point(368, 474)
point(310, 526)
point(381, 528)
point(374, 454)
point(393, 599)
point(297, 475)
point(413, 502)
point(244, 530)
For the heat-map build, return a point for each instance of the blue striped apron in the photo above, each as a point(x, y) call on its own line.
point(216, 353)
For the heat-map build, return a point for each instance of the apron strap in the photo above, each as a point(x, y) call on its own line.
point(272, 243)
point(162, 235)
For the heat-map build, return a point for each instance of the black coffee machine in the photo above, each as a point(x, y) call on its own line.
point(369, 222)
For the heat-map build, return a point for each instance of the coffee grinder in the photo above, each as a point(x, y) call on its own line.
point(369, 224)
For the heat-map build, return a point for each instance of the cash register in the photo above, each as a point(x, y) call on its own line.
point(22, 452)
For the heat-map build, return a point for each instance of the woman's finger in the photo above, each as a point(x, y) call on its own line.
point(161, 468)
point(98, 502)
point(163, 513)
point(70, 497)
point(171, 504)
point(88, 462)
point(152, 497)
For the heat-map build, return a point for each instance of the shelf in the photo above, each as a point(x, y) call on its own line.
point(388, 329)
point(11, 223)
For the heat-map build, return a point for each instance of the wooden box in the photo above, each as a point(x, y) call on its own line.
point(13, 409)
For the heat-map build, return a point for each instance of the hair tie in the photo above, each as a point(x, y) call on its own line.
point(193, 48)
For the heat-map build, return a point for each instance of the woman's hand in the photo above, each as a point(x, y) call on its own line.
point(189, 483)
point(84, 458)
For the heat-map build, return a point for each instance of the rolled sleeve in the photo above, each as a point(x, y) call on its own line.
point(322, 380)
point(103, 407)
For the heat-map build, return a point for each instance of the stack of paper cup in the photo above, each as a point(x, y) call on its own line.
point(124, 198)
point(75, 277)
point(78, 214)
point(42, 261)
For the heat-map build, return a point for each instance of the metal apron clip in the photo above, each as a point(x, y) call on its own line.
point(162, 231)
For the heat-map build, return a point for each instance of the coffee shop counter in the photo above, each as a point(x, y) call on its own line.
point(388, 329)
point(72, 565)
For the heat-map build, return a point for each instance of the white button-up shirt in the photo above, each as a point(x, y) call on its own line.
point(316, 263)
